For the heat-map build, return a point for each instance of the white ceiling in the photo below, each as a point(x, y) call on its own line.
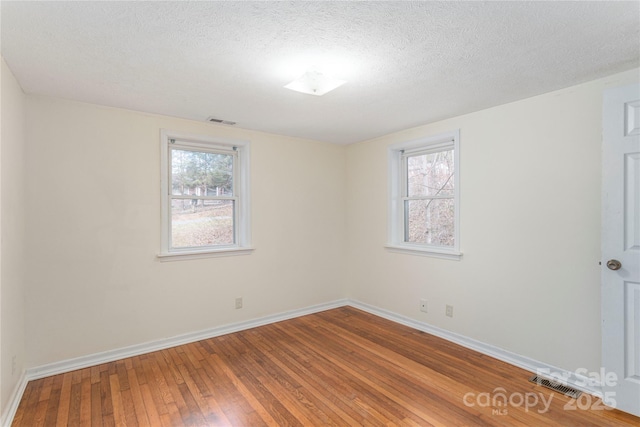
point(407, 63)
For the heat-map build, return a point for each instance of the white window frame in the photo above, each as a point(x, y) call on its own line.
point(241, 194)
point(397, 189)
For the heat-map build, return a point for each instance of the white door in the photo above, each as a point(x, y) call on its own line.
point(621, 246)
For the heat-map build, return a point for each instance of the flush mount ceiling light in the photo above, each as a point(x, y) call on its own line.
point(315, 83)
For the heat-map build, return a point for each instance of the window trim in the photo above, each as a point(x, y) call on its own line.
point(242, 243)
point(395, 204)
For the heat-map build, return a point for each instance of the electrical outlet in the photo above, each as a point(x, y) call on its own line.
point(423, 305)
point(238, 303)
point(449, 311)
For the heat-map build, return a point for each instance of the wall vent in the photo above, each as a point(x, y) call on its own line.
point(556, 386)
point(224, 122)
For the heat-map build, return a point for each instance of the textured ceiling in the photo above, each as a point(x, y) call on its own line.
point(407, 63)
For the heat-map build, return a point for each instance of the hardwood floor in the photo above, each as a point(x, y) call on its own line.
point(341, 367)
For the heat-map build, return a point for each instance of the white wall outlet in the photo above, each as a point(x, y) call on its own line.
point(238, 303)
point(449, 311)
point(423, 305)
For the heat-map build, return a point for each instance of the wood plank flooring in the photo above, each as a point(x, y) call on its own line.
point(341, 367)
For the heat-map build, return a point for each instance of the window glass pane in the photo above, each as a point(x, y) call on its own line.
point(196, 173)
point(196, 223)
point(430, 174)
point(430, 222)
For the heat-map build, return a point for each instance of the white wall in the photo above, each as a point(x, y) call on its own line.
point(529, 280)
point(94, 283)
point(12, 261)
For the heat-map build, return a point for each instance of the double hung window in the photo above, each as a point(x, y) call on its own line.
point(205, 195)
point(424, 196)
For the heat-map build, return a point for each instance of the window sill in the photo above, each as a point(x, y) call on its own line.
point(421, 251)
point(181, 256)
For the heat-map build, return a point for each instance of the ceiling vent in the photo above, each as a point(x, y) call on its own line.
point(224, 122)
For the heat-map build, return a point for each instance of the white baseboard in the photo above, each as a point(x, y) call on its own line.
point(69, 365)
point(138, 349)
point(14, 401)
point(572, 379)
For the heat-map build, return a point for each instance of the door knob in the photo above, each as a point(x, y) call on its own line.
point(614, 264)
